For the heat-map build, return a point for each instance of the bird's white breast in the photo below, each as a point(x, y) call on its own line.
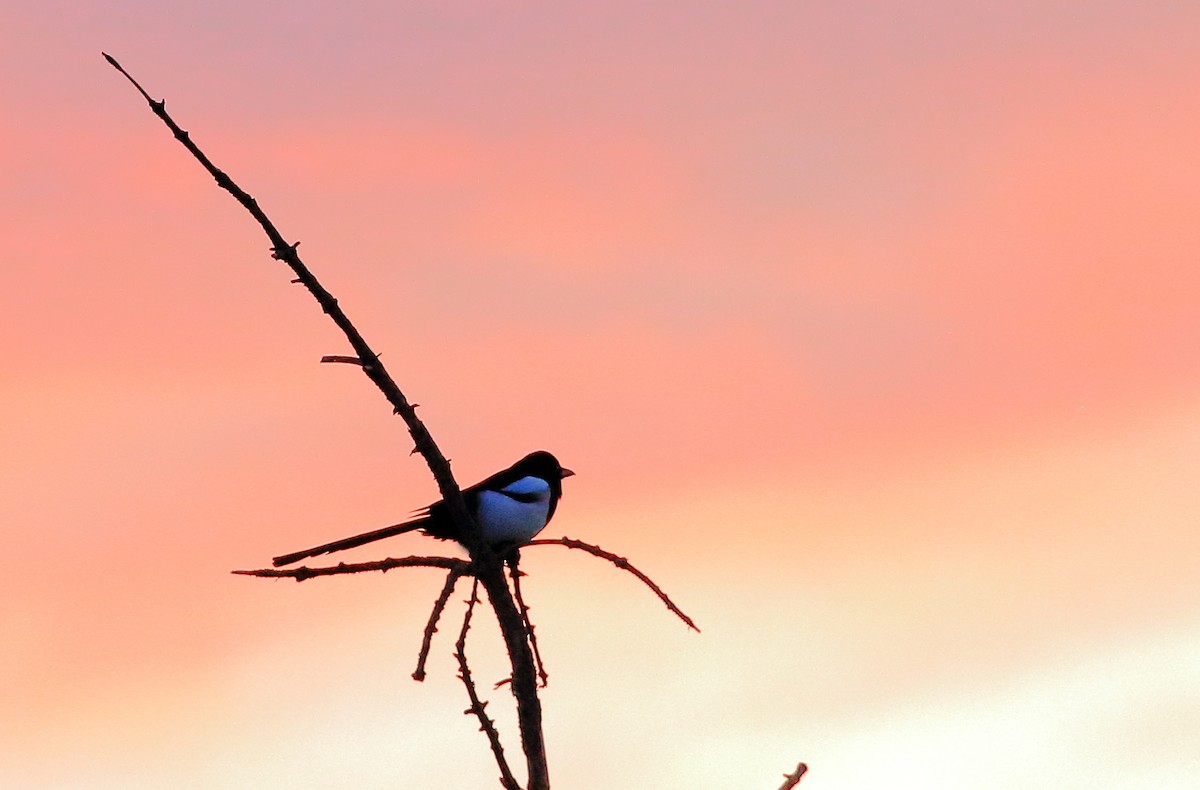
point(504, 519)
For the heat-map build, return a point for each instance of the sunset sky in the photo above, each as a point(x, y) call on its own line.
point(871, 331)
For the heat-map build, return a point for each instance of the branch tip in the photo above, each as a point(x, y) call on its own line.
point(793, 779)
point(623, 564)
point(342, 359)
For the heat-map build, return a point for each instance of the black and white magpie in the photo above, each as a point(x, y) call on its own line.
point(510, 507)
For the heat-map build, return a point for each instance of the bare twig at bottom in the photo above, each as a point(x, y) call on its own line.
point(478, 707)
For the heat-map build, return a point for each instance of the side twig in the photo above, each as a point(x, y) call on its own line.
point(479, 707)
point(431, 627)
point(621, 563)
point(459, 567)
point(523, 608)
point(345, 360)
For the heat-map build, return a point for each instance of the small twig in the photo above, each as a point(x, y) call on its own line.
point(345, 360)
point(515, 572)
point(302, 573)
point(622, 563)
point(431, 627)
point(478, 707)
point(793, 779)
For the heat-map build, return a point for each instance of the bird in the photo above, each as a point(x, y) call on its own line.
point(510, 507)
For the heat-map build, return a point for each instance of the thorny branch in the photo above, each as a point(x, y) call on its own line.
point(485, 566)
point(488, 569)
point(456, 568)
point(478, 707)
point(283, 251)
point(516, 574)
point(464, 568)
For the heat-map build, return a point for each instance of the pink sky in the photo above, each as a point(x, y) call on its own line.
point(871, 333)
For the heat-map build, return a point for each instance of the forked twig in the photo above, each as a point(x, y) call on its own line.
point(479, 707)
point(621, 563)
point(431, 627)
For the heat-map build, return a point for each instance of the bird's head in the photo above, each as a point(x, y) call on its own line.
point(544, 465)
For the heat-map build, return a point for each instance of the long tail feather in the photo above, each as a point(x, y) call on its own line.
point(349, 543)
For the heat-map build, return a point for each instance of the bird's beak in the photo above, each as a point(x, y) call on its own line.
point(565, 471)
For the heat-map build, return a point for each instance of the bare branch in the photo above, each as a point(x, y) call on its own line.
point(368, 359)
point(523, 608)
point(303, 573)
point(487, 567)
point(622, 563)
point(431, 627)
point(793, 779)
point(524, 677)
point(478, 707)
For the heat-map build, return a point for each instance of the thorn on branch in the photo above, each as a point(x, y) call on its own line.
point(278, 253)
